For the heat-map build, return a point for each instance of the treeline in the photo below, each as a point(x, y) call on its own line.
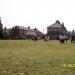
point(3, 31)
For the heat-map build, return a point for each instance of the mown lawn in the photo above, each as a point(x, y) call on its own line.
point(36, 57)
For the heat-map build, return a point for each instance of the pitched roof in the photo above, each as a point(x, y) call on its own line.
point(38, 32)
point(21, 27)
point(55, 25)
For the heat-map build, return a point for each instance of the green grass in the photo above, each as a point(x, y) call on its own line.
point(36, 57)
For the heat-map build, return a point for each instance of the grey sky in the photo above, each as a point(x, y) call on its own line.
point(37, 13)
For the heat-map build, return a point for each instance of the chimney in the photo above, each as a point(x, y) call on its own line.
point(28, 27)
point(35, 28)
point(62, 24)
point(57, 21)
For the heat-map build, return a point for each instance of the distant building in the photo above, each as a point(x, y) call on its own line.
point(56, 29)
point(20, 32)
point(39, 34)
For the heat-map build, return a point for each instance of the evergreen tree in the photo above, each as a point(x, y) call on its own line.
point(5, 33)
point(1, 29)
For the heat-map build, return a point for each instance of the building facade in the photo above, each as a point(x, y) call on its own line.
point(56, 29)
point(20, 32)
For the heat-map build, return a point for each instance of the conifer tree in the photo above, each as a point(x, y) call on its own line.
point(1, 29)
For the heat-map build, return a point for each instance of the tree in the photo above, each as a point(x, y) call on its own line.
point(5, 33)
point(1, 29)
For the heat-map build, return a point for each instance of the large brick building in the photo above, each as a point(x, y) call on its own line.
point(56, 29)
point(20, 32)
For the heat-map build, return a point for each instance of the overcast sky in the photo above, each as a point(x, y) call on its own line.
point(37, 13)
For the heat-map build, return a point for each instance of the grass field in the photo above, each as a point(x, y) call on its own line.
point(36, 58)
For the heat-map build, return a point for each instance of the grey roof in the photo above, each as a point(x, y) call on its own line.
point(38, 32)
point(55, 25)
point(21, 27)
